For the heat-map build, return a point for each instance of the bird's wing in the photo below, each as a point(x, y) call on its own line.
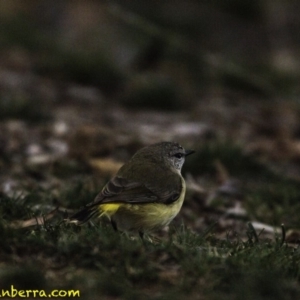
point(121, 190)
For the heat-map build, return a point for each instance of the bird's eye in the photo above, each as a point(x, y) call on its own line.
point(178, 155)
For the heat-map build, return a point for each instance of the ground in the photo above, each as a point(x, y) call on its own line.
point(84, 86)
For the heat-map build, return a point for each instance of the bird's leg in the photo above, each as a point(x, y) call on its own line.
point(141, 234)
point(114, 225)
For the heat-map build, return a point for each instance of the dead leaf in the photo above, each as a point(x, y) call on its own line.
point(106, 166)
point(222, 172)
point(293, 236)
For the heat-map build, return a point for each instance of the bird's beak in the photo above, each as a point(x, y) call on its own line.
point(188, 152)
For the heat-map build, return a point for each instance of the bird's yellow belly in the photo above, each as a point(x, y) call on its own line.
point(144, 216)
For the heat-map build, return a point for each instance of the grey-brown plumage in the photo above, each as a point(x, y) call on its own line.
point(146, 193)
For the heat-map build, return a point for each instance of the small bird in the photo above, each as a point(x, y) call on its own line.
point(146, 193)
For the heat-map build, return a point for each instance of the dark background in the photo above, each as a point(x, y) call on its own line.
point(85, 84)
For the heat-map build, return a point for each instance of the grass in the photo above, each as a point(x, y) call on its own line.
point(99, 261)
point(119, 266)
point(270, 198)
point(96, 260)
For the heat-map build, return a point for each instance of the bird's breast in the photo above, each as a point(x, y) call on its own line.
point(149, 216)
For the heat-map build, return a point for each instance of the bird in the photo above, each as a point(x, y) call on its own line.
point(145, 194)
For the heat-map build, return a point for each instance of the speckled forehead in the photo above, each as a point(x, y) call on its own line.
point(176, 148)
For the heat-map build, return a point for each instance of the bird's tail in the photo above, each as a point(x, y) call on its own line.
point(84, 214)
point(93, 209)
